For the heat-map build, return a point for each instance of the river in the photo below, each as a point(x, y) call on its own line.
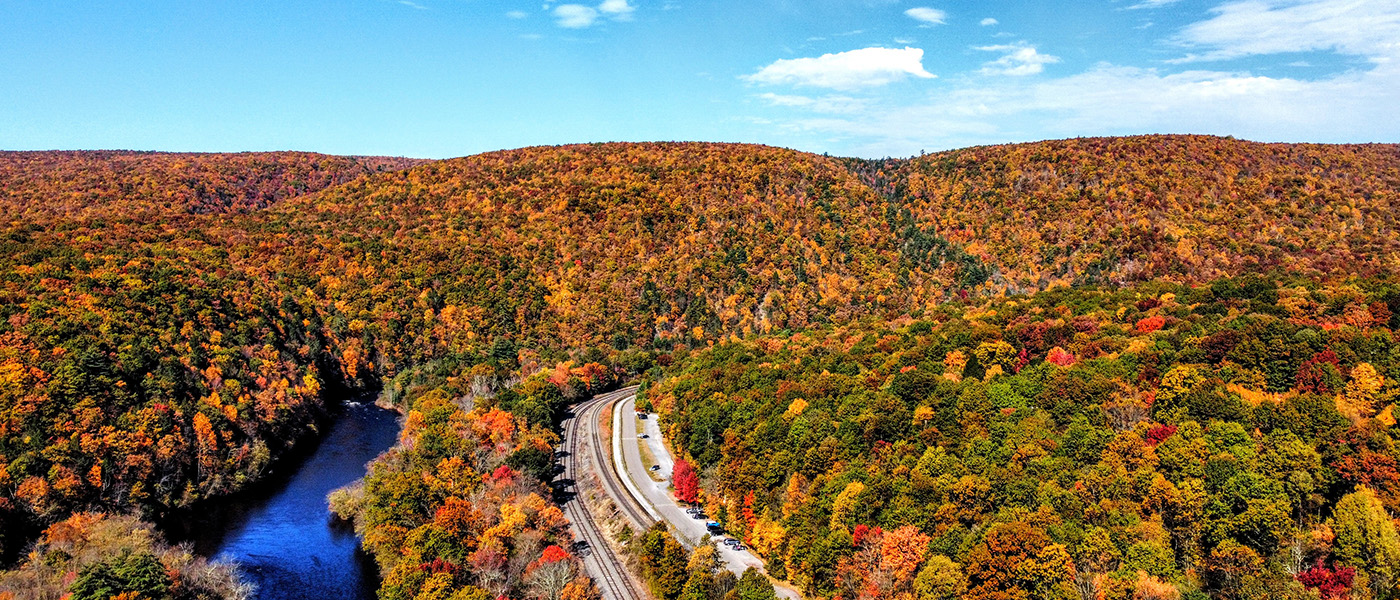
point(282, 534)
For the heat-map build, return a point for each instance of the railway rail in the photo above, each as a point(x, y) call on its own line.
point(624, 500)
point(603, 564)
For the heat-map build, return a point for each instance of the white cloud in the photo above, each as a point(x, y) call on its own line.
point(411, 4)
point(1369, 28)
point(988, 22)
point(516, 14)
point(1016, 60)
point(619, 9)
point(863, 68)
point(928, 16)
point(575, 16)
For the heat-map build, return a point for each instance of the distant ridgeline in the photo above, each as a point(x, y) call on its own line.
point(171, 322)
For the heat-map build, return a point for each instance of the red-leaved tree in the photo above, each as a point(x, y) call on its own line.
point(1332, 584)
point(687, 481)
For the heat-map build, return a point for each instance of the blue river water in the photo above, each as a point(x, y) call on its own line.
point(282, 535)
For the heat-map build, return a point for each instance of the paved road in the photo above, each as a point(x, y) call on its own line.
point(689, 530)
point(584, 476)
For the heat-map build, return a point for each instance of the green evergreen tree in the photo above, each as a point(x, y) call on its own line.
point(138, 572)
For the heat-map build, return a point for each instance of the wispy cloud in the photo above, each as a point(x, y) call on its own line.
point(1152, 4)
point(1016, 60)
point(854, 69)
point(516, 14)
point(1368, 28)
point(927, 16)
point(580, 16)
point(618, 9)
point(411, 4)
point(1113, 100)
point(1108, 99)
point(575, 16)
point(822, 104)
point(988, 22)
point(786, 100)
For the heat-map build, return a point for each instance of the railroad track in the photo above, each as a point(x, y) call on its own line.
point(606, 567)
point(621, 496)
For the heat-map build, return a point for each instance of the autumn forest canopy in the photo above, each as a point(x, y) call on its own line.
point(1142, 367)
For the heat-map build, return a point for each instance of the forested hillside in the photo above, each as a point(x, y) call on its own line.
point(106, 185)
point(1187, 208)
point(620, 244)
point(171, 323)
point(160, 357)
point(1157, 441)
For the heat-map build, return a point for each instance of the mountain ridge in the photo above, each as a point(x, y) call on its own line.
point(186, 313)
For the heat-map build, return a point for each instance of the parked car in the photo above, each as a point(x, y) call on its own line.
point(644, 436)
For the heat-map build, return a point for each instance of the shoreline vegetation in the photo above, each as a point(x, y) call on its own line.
point(459, 508)
point(170, 323)
point(96, 556)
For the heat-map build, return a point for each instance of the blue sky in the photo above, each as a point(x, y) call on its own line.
point(440, 78)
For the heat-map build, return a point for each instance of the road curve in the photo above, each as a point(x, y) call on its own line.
point(641, 516)
point(582, 452)
point(689, 531)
